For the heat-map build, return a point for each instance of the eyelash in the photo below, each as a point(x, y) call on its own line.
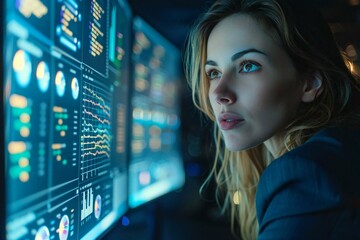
point(208, 74)
point(245, 62)
point(242, 64)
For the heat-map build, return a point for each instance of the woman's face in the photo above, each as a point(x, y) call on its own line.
point(254, 87)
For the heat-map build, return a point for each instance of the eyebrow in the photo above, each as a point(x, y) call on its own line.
point(237, 55)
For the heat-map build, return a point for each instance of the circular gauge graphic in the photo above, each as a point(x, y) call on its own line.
point(60, 83)
point(22, 68)
point(64, 228)
point(75, 88)
point(97, 207)
point(43, 76)
point(42, 234)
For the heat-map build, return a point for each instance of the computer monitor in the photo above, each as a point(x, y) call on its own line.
point(65, 90)
point(156, 165)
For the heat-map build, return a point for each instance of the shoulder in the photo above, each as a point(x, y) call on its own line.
point(334, 151)
point(320, 177)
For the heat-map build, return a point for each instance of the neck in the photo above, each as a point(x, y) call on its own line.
point(273, 145)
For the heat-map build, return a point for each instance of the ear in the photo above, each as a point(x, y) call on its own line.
point(313, 87)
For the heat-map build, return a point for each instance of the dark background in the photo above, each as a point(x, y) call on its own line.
point(185, 214)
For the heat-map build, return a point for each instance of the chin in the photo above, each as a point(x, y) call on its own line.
point(234, 146)
point(234, 149)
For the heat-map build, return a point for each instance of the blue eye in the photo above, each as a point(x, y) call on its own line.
point(213, 74)
point(248, 67)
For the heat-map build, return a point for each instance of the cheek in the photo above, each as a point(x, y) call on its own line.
point(268, 99)
point(259, 97)
point(212, 97)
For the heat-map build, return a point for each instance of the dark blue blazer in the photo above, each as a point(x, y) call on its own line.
point(313, 191)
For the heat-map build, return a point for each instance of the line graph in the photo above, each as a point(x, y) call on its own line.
point(96, 128)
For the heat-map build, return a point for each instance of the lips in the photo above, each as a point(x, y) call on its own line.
point(228, 121)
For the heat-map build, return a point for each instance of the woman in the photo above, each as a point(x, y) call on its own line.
point(286, 111)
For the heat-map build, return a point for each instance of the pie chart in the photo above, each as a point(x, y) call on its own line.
point(97, 207)
point(42, 234)
point(75, 88)
point(43, 76)
point(22, 68)
point(60, 83)
point(64, 228)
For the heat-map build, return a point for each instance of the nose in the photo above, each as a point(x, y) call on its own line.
point(224, 93)
point(225, 100)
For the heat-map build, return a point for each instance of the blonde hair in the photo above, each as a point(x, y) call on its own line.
point(310, 45)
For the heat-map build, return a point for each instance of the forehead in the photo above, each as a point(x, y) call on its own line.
point(237, 32)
